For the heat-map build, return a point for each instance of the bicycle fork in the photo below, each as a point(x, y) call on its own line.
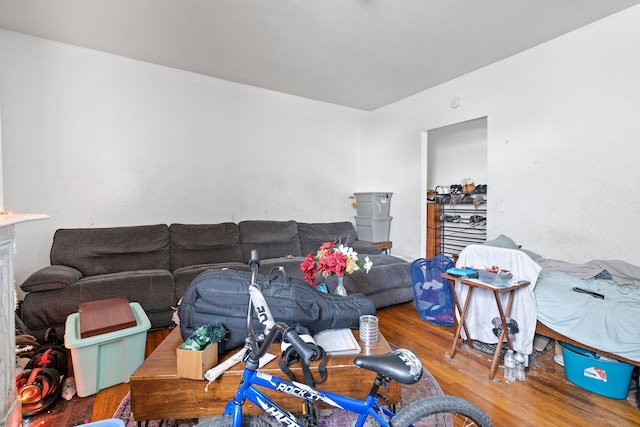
point(247, 391)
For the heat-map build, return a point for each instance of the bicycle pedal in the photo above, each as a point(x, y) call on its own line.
point(311, 422)
point(310, 412)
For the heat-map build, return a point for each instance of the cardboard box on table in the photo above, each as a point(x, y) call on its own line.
point(193, 364)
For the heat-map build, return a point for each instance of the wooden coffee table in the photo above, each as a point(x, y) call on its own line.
point(158, 393)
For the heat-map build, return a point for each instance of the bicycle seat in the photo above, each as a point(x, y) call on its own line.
point(400, 365)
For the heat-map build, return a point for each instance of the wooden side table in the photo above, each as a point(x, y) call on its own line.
point(385, 246)
point(461, 312)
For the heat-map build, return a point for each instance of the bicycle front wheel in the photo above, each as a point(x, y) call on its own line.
point(436, 411)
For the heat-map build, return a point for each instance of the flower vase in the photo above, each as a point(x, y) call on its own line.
point(340, 289)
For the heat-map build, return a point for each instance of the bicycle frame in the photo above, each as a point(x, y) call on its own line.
point(253, 378)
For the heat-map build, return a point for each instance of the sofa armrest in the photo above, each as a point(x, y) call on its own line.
point(364, 247)
point(51, 277)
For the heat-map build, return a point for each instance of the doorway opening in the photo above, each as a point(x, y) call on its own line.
point(455, 213)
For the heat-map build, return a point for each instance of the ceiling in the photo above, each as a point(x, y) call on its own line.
point(358, 53)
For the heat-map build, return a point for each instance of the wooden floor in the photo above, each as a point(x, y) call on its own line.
point(546, 398)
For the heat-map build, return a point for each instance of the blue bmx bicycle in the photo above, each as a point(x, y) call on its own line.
point(399, 365)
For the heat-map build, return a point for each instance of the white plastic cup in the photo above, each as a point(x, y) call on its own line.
point(369, 330)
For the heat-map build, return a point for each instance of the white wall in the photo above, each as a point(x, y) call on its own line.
point(456, 152)
point(1, 185)
point(563, 131)
point(97, 140)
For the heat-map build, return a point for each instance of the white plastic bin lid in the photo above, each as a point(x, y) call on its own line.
point(386, 194)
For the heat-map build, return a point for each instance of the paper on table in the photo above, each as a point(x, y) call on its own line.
point(492, 285)
point(501, 285)
point(337, 341)
point(266, 359)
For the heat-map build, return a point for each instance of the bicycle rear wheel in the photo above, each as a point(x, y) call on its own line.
point(436, 411)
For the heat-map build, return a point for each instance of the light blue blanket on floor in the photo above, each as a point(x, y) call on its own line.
point(611, 324)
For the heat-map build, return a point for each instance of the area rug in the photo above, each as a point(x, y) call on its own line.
point(74, 412)
point(427, 386)
point(124, 413)
point(491, 349)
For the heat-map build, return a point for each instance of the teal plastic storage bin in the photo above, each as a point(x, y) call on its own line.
point(107, 359)
point(599, 375)
point(112, 422)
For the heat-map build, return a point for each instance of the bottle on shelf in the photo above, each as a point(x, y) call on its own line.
point(520, 368)
point(509, 367)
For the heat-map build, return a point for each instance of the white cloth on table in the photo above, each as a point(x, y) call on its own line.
point(482, 306)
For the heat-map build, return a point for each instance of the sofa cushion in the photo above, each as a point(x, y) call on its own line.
point(95, 251)
point(387, 283)
point(272, 239)
point(194, 244)
point(312, 235)
point(153, 289)
point(183, 276)
point(51, 277)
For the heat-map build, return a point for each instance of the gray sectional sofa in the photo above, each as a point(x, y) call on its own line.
point(154, 264)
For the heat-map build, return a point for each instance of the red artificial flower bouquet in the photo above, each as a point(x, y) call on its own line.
point(330, 260)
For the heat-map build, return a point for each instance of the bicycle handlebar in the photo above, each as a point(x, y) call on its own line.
point(254, 259)
point(306, 353)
